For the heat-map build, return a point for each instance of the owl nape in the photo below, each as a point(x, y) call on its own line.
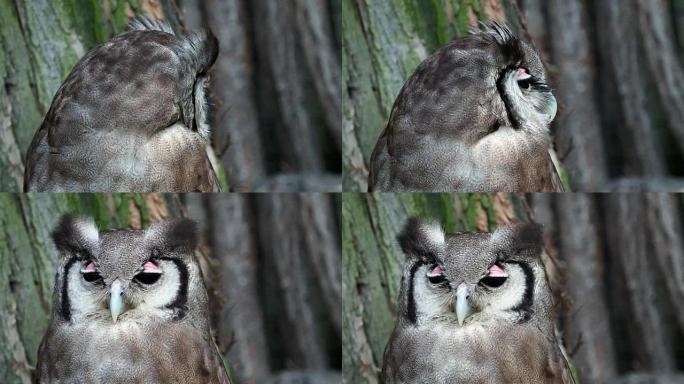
point(474, 307)
point(128, 305)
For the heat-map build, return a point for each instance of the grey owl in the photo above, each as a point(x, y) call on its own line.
point(474, 308)
point(474, 116)
point(129, 306)
point(131, 116)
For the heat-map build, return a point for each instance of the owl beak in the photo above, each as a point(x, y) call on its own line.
point(462, 306)
point(116, 305)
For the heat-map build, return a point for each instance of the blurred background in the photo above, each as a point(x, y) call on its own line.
point(271, 263)
point(275, 88)
point(615, 65)
point(615, 263)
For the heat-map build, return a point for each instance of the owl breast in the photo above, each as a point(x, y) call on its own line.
point(128, 352)
point(482, 353)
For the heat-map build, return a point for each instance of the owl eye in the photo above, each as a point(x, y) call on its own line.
point(524, 78)
point(90, 273)
point(436, 275)
point(496, 276)
point(149, 275)
point(525, 84)
point(147, 278)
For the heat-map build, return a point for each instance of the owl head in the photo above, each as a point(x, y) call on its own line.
point(114, 276)
point(473, 276)
point(477, 85)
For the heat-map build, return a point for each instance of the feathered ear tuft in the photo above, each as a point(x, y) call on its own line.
point(528, 236)
point(76, 234)
point(176, 233)
point(144, 23)
point(508, 42)
point(422, 240)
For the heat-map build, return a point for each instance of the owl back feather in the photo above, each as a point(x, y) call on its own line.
point(131, 116)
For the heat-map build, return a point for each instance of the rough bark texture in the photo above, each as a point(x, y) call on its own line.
point(616, 67)
point(274, 284)
point(622, 263)
point(275, 90)
point(614, 263)
point(275, 86)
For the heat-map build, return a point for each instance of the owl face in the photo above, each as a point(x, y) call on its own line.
point(120, 275)
point(469, 277)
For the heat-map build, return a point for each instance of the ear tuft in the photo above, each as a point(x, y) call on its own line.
point(521, 236)
point(143, 23)
point(174, 233)
point(425, 240)
point(76, 234)
point(500, 34)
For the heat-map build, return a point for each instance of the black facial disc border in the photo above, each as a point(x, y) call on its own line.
point(180, 303)
point(411, 310)
point(525, 305)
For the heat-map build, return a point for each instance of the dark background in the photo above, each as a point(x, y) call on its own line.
point(275, 88)
point(615, 65)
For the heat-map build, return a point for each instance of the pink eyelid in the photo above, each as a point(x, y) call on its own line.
point(496, 271)
point(436, 271)
point(90, 267)
point(151, 267)
point(523, 74)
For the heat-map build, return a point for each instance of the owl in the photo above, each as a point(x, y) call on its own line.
point(129, 306)
point(474, 308)
point(131, 116)
point(474, 116)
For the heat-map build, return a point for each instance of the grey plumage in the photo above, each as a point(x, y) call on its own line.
point(129, 306)
point(131, 116)
point(474, 116)
point(474, 308)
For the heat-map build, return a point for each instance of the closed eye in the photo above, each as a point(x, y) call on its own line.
point(496, 276)
point(92, 277)
point(90, 273)
point(436, 276)
point(534, 83)
point(147, 278)
point(493, 282)
point(151, 272)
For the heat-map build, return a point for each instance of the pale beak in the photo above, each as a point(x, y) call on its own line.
point(462, 306)
point(116, 304)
